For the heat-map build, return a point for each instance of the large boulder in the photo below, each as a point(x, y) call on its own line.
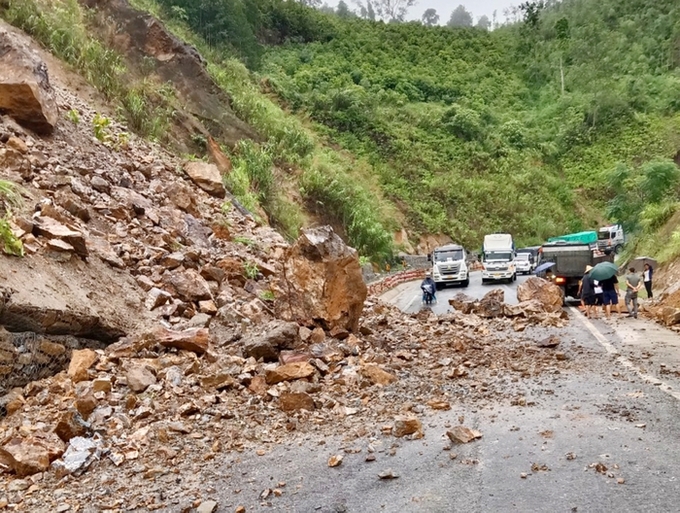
point(321, 281)
point(549, 294)
point(25, 91)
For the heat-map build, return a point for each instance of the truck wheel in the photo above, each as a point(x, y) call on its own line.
point(514, 277)
point(439, 286)
point(466, 282)
point(484, 282)
point(617, 249)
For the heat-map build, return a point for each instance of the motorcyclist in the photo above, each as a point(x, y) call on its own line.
point(428, 286)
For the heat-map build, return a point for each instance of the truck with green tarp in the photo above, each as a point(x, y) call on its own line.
point(589, 237)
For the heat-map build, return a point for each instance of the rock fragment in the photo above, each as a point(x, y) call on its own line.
point(407, 426)
point(463, 435)
point(81, 361)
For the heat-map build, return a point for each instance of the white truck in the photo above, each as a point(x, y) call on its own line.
point(449, 266)
point(498, 258)
point(611, 237)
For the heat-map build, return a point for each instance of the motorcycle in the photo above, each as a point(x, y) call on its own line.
point(428, 295)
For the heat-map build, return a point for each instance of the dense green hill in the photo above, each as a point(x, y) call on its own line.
point(473, 131)
point(535, 128)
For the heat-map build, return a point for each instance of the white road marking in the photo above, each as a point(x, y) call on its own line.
point(649, 378)
point(417, 296)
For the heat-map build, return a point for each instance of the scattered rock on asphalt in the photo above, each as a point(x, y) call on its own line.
point(335, 461)
point(407, 426)
point(388, 474)
point(463, 435)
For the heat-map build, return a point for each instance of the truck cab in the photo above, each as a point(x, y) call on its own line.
point(611, 237)
point(449, 266)
point(498, 258)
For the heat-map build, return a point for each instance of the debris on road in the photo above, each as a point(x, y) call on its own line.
point(335, 461)
point(463, 435)
point(388, 474)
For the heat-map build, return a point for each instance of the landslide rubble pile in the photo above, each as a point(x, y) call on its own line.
point(227, 337)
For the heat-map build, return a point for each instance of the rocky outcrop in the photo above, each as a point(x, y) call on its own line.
point(544, 291)
point(321, 281)
point(143, 38)
point(25, 91)
point(206, 176)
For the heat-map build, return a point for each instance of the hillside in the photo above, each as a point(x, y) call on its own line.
point(376, 127)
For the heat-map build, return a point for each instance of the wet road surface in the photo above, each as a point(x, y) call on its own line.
point(600, 438)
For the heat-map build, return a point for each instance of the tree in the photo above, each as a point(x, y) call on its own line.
point(343, 10)
point(460, 17)
point(311, 3)
point(430, 17)
point(365, 10)
point(563, 36)
point(386, 10)
point(484, 23)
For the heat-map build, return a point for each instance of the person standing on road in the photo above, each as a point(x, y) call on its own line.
point(647, 279)
point(633, 285)
point(610, 295)
point(586, 290)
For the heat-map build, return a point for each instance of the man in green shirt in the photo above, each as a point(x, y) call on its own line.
point(633, 284)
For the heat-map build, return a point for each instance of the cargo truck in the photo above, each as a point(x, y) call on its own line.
point(611, 237)
point(498, 258)
point(571, 260)
point(449, 266)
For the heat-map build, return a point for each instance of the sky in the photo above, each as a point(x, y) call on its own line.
point(476, 7)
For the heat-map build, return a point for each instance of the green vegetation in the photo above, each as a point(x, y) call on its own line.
point(250, 270)
point(10, 197)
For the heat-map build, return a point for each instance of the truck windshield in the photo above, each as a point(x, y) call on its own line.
point(522, 256)
point(604, 235)
point(498, 255)
point(443, 256)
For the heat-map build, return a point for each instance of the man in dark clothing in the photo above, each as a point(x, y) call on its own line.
point(610, 295)
point(587, 292)
point(428, 287)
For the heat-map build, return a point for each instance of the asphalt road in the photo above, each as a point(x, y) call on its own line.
point(408, 297)
point(600, 438)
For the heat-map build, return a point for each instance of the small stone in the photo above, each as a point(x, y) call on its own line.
point(207, 507)
point(388, 474)
point(377, 375)
point(463, 435)
point(101, 385)
point(156, 297)
point(139, 378)
point(81, 361)
point(523, 475)
point(207, 307)
point(240, 509)
point(70, 425)
point(293, 401)
point(335, 461)
point(406, 426)
point(620, 480)
point(292, 371)
point(196, 340)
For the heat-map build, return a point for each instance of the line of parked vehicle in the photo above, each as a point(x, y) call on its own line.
point(569, 255)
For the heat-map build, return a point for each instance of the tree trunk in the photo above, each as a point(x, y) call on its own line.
point(561, 76)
